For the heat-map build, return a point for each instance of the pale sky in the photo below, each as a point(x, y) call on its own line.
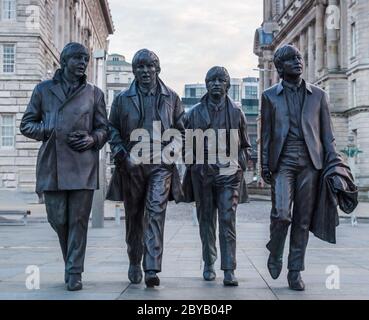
point(189, 36)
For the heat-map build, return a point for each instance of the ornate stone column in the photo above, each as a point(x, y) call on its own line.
point(267, 79)
point(61, 22)
point(319, 35)
point(302, 46)
point(311, 60)
point(67, 22)
point(267, 10)
point(333, 25)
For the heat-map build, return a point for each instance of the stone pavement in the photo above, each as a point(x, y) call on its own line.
point(106, 264)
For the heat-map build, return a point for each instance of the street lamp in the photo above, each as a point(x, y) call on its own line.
point(262, 86)
point(99, 195)
point(352, 151)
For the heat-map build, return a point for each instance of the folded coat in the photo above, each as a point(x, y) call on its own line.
point(337, 188)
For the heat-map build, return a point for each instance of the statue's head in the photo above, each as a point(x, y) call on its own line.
point(146, 67)
point(288, 61)
point(217, 81)
point(75, 58)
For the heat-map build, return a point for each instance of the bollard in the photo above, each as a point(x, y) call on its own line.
point(99, 195)
point(117, 214)
point(354, 220)
point(194, 215)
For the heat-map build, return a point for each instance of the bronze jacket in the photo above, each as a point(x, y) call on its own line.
point(50, 117)
point(126, 116)
point(198, 118)
point(315, 121)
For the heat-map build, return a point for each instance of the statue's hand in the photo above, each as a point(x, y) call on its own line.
point(80, 141)
point(267, 176)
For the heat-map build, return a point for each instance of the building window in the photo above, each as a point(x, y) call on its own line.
point(234, 92)
point(200, 92)
point(7, 131)
point(353, 40)
point(354, 93)
point(251, 92)
point(192, 92)
point(9, 10)
point(7, 58)
point(117, 79)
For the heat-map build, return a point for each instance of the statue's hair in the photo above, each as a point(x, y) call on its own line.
point(71, 49)
point(142, 56)
point(281, 55)
point(218, 71)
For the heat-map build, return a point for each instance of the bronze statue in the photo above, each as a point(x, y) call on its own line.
point(68, 115)
point(145, 188)
point(296, 141)
point(205, 182)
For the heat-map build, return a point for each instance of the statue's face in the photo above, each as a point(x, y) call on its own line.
point(293, 64)
point(217, 85)
point(146, 72)
point(77, 64)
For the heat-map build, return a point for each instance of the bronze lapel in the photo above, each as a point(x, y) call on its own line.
point(58, 92)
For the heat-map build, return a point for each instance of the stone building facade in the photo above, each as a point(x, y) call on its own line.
point(32, 35)
point(332, 36)
point(119, 76)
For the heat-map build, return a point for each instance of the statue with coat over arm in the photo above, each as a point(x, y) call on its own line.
point(298, 159)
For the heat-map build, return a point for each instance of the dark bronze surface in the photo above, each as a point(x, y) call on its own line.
point(145, 188)
point(296, 138)
point(69, 116)
point(212, 191)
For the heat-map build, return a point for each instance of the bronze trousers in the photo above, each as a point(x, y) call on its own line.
point(294, 190)
point(216, 192)
point(146, 192)
point(68, 213)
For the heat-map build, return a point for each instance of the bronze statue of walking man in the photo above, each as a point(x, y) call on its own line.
point(146, 187)
point(296, 138)
point(68, 115)
point(205, 183)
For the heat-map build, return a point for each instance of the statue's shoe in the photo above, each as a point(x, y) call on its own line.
point(275, 266)
point(209, 272)
point(135, 273)
point(295, 281)
point(151, 279)
point(229, 278)
point(74, 282)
